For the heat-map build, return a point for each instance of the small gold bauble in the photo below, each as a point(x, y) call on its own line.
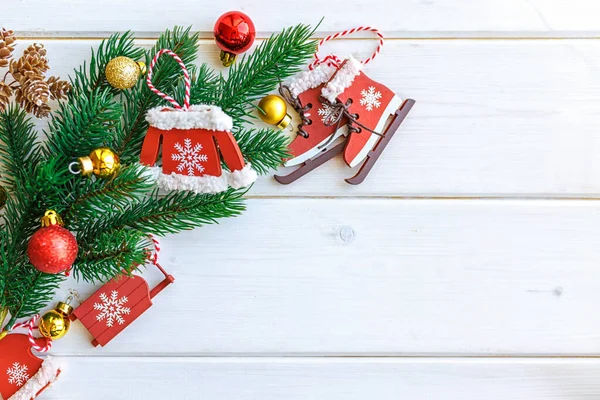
point(3, 196)
point(102, 162)
point(55, 323)
point(273, 110)
point(123, 73)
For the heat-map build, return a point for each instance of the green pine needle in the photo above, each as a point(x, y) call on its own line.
point(263, 148)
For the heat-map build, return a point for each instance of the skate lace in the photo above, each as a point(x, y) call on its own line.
point(286, 93)
point(341, 110)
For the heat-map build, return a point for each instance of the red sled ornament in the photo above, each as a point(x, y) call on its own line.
point(118, 303)
point(349, 105)
point(24, 376)
point(194, 138)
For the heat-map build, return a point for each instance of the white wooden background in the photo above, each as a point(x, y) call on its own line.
point(465, 267)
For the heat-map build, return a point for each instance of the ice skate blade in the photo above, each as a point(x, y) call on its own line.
point(302, 158)
point(310, 165)
point(375, 153)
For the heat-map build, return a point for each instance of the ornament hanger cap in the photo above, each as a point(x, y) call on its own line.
point(64, 308)
point(51, 218)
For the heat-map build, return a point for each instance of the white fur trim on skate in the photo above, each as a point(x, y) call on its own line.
point(206, 183)
point(196, 117)
point(342, 79)
point(47, 374)
point(310, 79)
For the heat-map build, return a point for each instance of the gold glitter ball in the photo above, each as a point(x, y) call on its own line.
point(123, 73)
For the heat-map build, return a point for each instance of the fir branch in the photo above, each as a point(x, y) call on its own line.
point(175, 212)
point(4, 270)
point(166, 77)
point(264, 148)
point(33, 292)
point(111, 254)
point(179, 211)
point(19, 152)
point(82, 124)
point(99, 199)
point(90, 116)
point(275, 59)
point(205, 86)
point(29, 202)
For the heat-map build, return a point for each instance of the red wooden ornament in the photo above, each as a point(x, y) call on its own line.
point(21, 373)
point(116, 305)
point(194, 138)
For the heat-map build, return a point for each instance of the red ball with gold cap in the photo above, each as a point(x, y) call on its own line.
point(52, 249)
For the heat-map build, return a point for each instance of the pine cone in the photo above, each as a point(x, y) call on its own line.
point(58, 88)
point(7, 38)
point(5, 93)
point(31, 65)
point(33, 95)
point(35, 49)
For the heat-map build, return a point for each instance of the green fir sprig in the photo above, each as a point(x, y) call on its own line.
point(112, 218)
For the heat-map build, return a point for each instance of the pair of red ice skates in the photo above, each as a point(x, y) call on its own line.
point(342, 110)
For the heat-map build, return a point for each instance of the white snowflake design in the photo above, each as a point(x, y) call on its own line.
point(370, 98)
point(189, 157)
point(328, 112)
point(112, 308)
point(17, 374)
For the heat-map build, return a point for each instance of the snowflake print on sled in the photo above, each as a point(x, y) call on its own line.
point(111, 308)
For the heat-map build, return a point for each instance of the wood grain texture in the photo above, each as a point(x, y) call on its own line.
point(423, 18)
point(349, 379)
point(324, 270)
point(374, 277)
point(493, 118)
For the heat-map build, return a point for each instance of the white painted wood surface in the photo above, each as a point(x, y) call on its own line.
point(319, 378)
point(422, 18)
point(472, 244)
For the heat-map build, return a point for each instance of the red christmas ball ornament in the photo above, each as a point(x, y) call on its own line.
point(52, 249)
point(234, 33)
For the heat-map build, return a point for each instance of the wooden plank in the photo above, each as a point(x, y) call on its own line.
point(408, 18)
point(493, 118)
point(332, 379)
point(374, 277)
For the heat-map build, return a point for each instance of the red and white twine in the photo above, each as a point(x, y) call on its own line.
point(30, 325)
point(186, 78)
point(332, 59)
point(154, 256)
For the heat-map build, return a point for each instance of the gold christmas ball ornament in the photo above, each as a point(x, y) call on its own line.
point(102, 162)
point(273, 110)
point(55, 323)
point(3, 196)
point(123, 73)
